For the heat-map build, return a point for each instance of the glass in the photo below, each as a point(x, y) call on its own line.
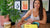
point(7, 25)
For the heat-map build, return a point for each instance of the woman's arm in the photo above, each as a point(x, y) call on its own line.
point(43, 21)
point(26, 15)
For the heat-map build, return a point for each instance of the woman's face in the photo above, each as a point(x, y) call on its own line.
point(36, 4)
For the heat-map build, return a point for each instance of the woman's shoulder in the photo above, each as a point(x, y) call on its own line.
point(44, 9)
point(30, 10)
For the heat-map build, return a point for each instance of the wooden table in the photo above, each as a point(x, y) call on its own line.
point(40, 26)
point(45, 26)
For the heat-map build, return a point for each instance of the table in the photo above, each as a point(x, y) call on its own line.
point(40, 26)
point(45, 26)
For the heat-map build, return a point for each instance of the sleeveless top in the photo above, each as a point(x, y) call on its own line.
point(34, 18)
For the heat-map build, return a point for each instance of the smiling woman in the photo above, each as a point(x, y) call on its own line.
point(38, 14)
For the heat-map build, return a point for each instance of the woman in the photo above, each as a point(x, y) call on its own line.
point(38, 13)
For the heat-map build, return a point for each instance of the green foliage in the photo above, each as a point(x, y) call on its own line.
point(14, 15)
point(4, 7)
point(7, 9)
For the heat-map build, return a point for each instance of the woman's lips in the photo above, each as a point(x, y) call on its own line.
point(36, 6)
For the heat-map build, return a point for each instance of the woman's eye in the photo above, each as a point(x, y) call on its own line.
point(37, 3)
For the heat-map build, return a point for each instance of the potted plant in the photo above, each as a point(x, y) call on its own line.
point(8, 12)
point(4, 13)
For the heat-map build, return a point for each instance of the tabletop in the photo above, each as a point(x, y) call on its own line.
point(40, 26)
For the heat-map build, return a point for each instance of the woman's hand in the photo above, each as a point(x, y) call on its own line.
point(30, 20)
point(19, 24)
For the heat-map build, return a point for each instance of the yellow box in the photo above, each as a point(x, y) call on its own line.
point(30, 26)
